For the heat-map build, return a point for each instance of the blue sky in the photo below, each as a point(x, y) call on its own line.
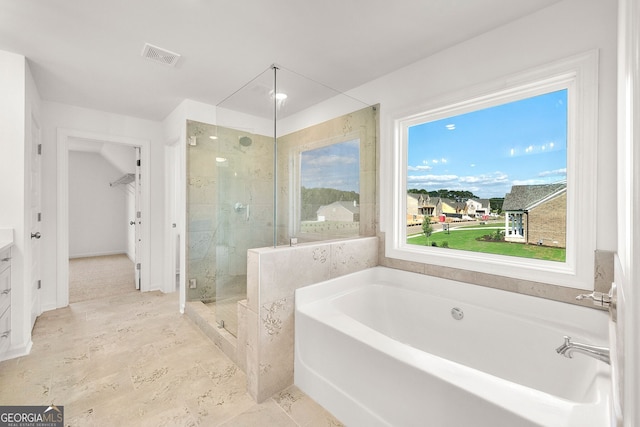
point(333, 166)
point(488, 151)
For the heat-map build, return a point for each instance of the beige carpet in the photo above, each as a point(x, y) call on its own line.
point(100, 277)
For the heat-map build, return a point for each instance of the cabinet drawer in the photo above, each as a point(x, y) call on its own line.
point(5, 259)
point(5, 331)
point(5, 290)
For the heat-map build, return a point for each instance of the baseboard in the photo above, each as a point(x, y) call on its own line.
point(14, 352)
point(92, 254)
point(49, 307)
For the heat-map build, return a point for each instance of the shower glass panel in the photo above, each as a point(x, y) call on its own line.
point(230, 200)
point(246, 179)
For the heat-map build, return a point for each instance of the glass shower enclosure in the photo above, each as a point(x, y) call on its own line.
point(244, 175)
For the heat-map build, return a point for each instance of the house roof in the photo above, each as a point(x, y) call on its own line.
point(453, 203)
point(484, 202)
point(524, 197)
point(426, 199)
point(346, 205)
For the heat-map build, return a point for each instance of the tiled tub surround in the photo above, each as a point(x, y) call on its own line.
point(602, 277)
point(273, 274)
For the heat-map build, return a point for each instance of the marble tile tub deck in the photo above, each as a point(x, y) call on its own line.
point(134, 360)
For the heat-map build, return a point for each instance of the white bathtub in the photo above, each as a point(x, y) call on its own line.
point(381, 348)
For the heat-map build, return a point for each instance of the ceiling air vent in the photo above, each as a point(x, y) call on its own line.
point(160, 55)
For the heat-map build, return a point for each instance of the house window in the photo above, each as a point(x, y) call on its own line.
point(500, 164)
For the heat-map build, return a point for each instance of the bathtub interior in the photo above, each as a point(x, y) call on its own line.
point(520, 349)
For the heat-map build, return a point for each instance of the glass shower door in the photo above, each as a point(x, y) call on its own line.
point(230, 203)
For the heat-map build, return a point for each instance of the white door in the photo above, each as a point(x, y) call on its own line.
point(35, 219)
point(138, 221)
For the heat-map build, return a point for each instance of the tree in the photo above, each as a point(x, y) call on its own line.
point(427, 228)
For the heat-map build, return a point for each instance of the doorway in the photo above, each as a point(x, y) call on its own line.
point(102, 219)
point(68, 140)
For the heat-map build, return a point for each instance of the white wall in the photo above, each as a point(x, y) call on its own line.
point(121, 157)
point(97, 212)
point(557, 32)
point(57, 116)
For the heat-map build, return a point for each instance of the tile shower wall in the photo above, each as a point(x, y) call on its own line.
point(218, 233)
point(273, 275)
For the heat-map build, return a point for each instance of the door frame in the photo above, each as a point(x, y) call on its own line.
point(627, 272)
point(175, 210)
point(35, 220)
point(64, 136)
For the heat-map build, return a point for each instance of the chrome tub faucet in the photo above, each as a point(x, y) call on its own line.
point(567, 349)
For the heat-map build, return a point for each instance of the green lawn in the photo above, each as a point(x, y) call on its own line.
point(466, 240)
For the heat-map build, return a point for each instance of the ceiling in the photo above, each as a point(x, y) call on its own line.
point(88, 53)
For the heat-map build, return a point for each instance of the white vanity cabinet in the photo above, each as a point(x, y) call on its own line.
point(5, 301)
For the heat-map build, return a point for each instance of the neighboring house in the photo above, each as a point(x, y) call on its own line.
point(478, 208)
point(339, 211)
point(536, 214)
point(419, 206)
point(450, 208)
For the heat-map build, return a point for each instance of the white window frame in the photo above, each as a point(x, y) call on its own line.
point(578, 74)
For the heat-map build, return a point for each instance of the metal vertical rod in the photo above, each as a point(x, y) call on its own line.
point(275, 156)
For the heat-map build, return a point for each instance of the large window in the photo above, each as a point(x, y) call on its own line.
point(492, 180)
point(499, 179)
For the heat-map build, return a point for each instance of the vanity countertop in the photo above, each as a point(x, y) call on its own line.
point(6, 238)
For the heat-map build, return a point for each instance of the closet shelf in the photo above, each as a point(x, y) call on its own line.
point(125, 179)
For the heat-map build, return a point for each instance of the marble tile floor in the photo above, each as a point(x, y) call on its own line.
point(133, 360)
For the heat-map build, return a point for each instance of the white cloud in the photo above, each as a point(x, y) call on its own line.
point(451, 181)
point(495, 184)
point(330, 160)
point(486, 179)
point(556, 172)
point(419, 168)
